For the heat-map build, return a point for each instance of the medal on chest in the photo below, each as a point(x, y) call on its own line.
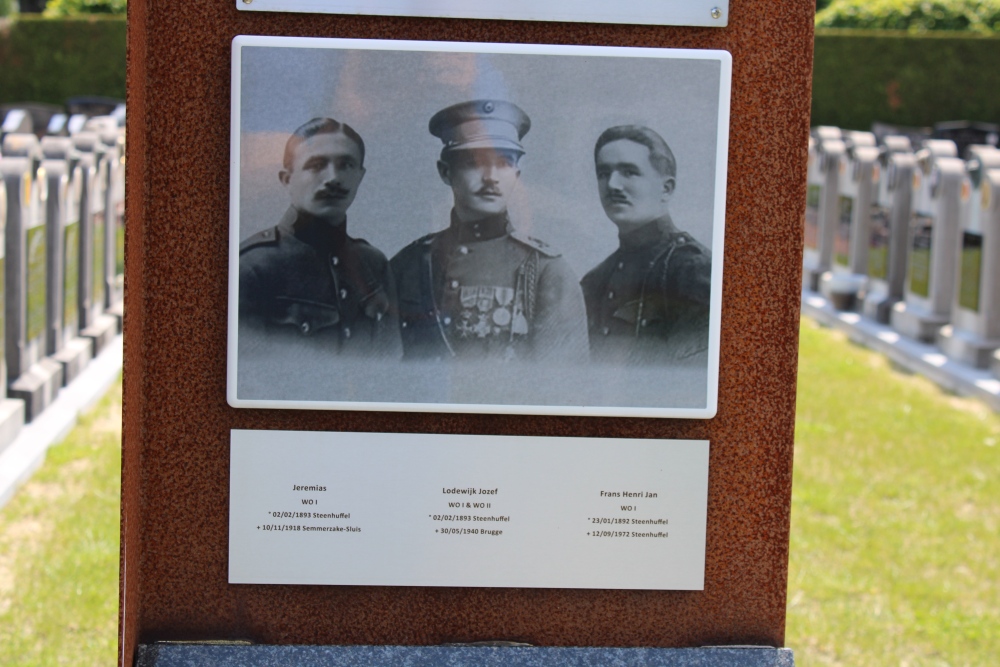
point(488, 311)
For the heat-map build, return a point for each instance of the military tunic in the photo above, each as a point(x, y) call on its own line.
point(307, 284)
point(649, 300)
point(484, 291)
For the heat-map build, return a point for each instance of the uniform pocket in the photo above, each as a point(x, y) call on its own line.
point(308, 317)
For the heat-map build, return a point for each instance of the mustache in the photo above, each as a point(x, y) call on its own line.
point(487, 190)
point(335, 192)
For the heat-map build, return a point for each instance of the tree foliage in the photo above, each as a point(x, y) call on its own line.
point(981, 16)
point(63, 8)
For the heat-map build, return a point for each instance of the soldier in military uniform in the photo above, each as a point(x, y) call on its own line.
point(307, 289)
point(481, 289)
point(649, 300)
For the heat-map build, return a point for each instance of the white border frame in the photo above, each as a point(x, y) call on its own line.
point(718, 224)
point(643, 12)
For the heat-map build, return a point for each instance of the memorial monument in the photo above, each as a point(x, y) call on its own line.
point(65, 188)
point(974, 332)
point(857, 187)
point(11, 409)
point(826, 151)
point(96, 326)
point(112, 140)
point(346, 506)
point(887, 249)
point(34, 377)
point(933, 237)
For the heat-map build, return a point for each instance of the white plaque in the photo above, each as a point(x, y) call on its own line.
point(709, 13)
point(385, 509)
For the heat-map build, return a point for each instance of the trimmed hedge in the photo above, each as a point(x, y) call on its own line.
point(860, 76)
point(913, 15)
point(49, 60)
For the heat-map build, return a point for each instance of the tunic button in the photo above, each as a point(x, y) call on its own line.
point(463, 249)
point(347, 332)
point(478, 235)
point(343, 293)
point(404, 324)
point(447, 321)
point(335, 260)
point(454, 284)
point(643, 323)
point(304, 328)
point(621, 265)
point(605, 331)
point(611, 295)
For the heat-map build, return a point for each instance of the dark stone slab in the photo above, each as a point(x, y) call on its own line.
point(879, 308)
point(74, 357)
point(101, 332)
point(37, 387)
point(246, 655)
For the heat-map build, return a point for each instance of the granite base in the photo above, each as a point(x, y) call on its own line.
point(966, 347)
point(37, 386)
point(841, 289)
point(74, 357)
point(251, 655)
point(811, 278)
point(11, 420)
point(101, 332)
point(916, 323)
point(878, 307)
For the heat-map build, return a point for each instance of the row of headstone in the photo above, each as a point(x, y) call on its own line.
point(909, 236)
point(62, 254)
point(57, 121)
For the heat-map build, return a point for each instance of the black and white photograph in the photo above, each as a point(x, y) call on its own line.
point(483, 228)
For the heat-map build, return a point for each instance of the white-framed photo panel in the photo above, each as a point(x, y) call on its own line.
point(481, 228)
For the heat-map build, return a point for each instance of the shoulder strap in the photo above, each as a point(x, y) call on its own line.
point(269, 236)
point(533, 243)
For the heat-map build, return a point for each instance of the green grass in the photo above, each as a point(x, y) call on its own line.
point(59, 551)
point(895, 551)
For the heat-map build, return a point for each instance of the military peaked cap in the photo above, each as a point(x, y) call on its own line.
point(481, 124)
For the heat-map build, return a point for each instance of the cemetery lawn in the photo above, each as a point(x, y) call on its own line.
point(59, 550)
point(895, 539)
point(895, 543)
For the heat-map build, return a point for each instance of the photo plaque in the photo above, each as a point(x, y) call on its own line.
point(468, 227)
point(704, 13)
